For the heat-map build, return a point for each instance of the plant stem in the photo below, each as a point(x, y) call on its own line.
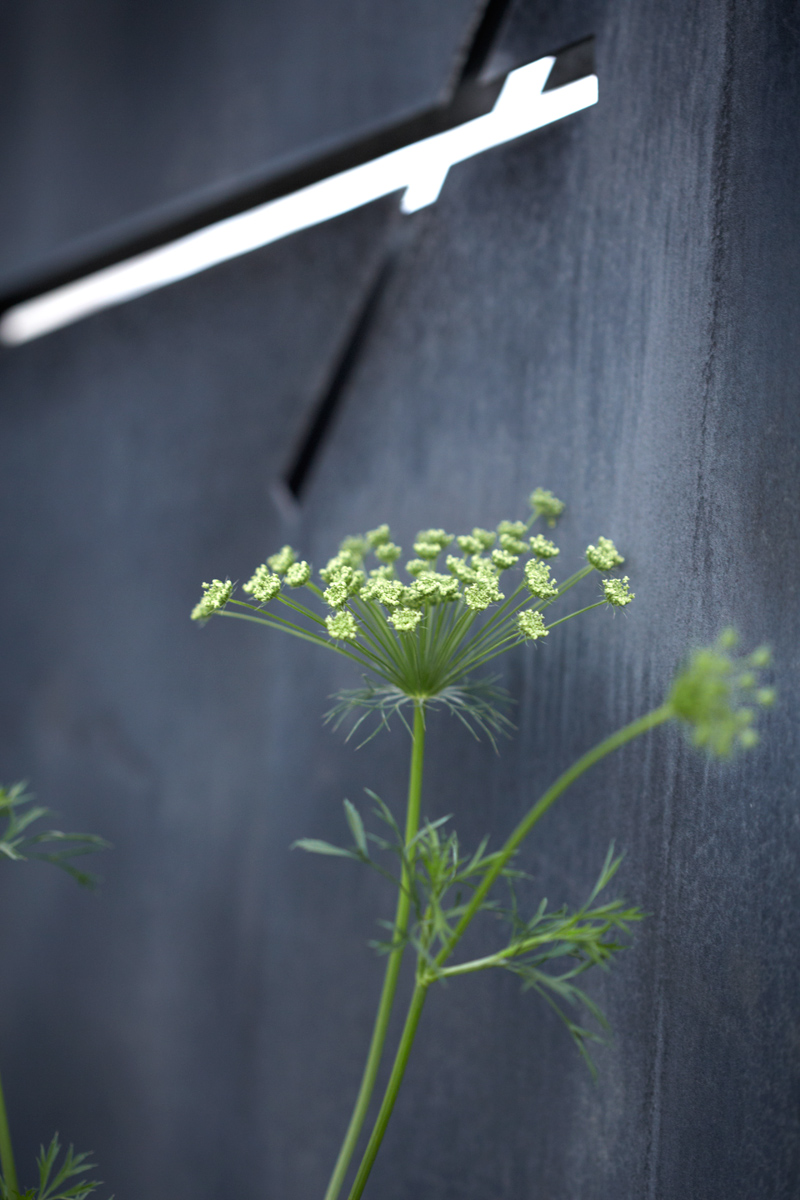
point(392, 1088)
point(427, 975)
point(641, 725)
point(393, 965)
point(6, 1153)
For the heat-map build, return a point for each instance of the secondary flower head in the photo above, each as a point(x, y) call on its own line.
point(351, 554)
point(545, 504)
point(432, 588)
point(715, 694)
point(517, 529)
point(542, 547)
point(379, 536)
point(483, 592)
point(215, 596)
point(503, 559)
point(405, 620)
point(604, 556)
point(280, 562)
point(617, 591)
point(298, 574)
point(537, 577)
point(531, 625)
point(431, 542)
point(512, 543)
point(342, 627)
point(345, 581)
point(388, 592)
point(477, 541)
point(388, 552)
point(263, 586)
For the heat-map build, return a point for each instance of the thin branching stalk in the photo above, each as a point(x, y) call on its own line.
point(393, 965)
point(6, 1152)
point(426, 975)
point(641, 725)
point(392, 1089)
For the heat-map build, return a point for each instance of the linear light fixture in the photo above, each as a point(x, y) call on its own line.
point(418, 170)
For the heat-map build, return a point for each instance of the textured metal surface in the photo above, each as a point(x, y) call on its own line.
point(121, 116)
point(610, 309)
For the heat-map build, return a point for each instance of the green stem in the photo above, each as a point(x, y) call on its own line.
point(426, 976)
point(577, 613)
point(641, 725)
point(6, 1153)
point(392, 1088)
point(393, 965)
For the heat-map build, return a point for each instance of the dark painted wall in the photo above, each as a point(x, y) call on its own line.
point(120, 115)
point(609, 308)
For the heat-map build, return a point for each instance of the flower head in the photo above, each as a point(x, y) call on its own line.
point(379, 536)
point(388, 592)
point(715, 692)
point(460, 568)
point(388, 552)
point(425, 637)
point(215, 596)
point(517, 529)
point(503, 559)
point(280, 562)
point(263, 586)
point(511, 543)
point(351, 554)
point(483, 592)
point(298, 574)
point(617, 591)
point(345, 581)
point(405, 620)
point(604, 556)
point(537, 577)
point(545, 504)
point(542, 547)
point(432, 537)
point(478, 540)
point(342, 626)
point(531, 625)
point(431, 587)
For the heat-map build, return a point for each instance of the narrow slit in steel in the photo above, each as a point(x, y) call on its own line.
point(484, 38)
point(308, 450)
point(480, 115)
point(572, 63)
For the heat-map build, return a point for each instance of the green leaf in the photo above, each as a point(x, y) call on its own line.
point(316, 846)
point(356, 827)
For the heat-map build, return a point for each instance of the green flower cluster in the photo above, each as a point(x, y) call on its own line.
point(617, 592)
point(214, 598)
point(423, 634)
point(718, 695)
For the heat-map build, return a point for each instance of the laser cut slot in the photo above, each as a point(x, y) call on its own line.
point(484, 37)
point(297, 476)
point(480, 117)
point(572, 63)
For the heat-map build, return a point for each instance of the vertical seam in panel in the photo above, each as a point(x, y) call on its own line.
point(720, 172)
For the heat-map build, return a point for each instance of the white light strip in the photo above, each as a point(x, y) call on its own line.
point(419, 170)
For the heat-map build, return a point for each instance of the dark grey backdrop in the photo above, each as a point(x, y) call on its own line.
point(608, 308)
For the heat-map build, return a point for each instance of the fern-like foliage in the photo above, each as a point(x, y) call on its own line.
point(57, 1182)
point(18, 843)
point(548, 950)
